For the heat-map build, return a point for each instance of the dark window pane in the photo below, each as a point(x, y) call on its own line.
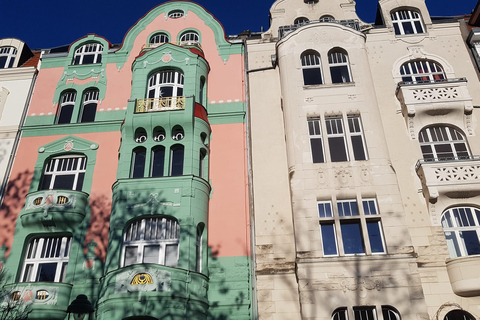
point(461, 149)
point(77, 60)
point(138, 163)
point(419, 27)
point(471, 242)
point(166, 92)
point(375, 236)
point(64, 182)
point(358, 148)
point(88, 59)
point(312, 76)
point(340, 74)
point(338, 150)
point(3, 62)
point(65, 115)
point(317, 150)
point(81, 177)
point(99, 58)
point(158, 162)
point(397, 29)
point(46, 272)
point(444, 151)
point(177, 161)
point(328, 239)
point(407, 27)
point(47, 178)
point(89, 111)
point(352, 237)
point(427, 153)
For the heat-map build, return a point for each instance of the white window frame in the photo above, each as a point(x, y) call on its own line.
point(163, 79)
point(67, 100)
point(89, 97)
point(365, 310)
point(432, 137)
point(315, 133)
point(311, 59)
point(175, 14)
point(355, 129)
point(399, 17)
point(422, 70)
point(94, 49)
point(362, 217)
point(455, 221)
point(159, 38)
point(59, 166)
point(46, 250)
point(336, 129)
point(337, 59)
point(189, 38)
point(167, 233)
point(11, 54)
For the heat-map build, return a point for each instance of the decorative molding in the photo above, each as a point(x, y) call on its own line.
point(161, 281)
point(460, 173)
point(68, 146)
point(154, 203)
point(362, 283)
point(435, 94)
point(82, 76)
point(166, 58)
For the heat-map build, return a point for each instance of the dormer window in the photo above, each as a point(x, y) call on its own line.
point(175, 14)
point(88, 54)
point(159, 38)
point(407, 22)
point(189, 38)
point(7, 57)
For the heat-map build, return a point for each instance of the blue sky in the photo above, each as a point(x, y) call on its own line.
point(46, 24)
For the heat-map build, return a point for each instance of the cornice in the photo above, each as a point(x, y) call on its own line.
point(21, 73)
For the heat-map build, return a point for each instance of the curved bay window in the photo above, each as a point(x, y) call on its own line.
point(422, 71)
point(89, 107)
point(65, 108)
point(443, 143)
point(339, 66)
point(64, 173)
point(461, 226)
point(407, 22)
point(151, 240)
point(46, 259)
point(311, 68)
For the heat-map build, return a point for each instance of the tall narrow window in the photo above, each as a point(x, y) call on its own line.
point(202, 93)
point(65, 108)
point(7, 57)
point(339, 66)
point(88, 53)
point(422, 71)
point(336, 139)
point(357, 138)
point(46, 259)
point(442, 143)
point(189, 38)
point(311, 68)
point(199, 247)
point(201, 169)
point(64, 173)
point(138, 162)
point(316, 140)
point(176, 160)
point(407, 22)
point(89, 107)
point(461, 226)
point(151, 240)
point(158, 161)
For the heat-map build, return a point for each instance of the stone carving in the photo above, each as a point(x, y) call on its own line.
point(462, 173)
point(435, 94)
point(51, 199)
point(160, 281)
point(360, 284)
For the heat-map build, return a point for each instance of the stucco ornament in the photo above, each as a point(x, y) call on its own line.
point(166, 58)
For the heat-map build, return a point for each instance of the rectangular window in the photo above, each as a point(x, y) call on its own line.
point(349, 230)
point(336, 139)
point(316, 142)
point(356, 136)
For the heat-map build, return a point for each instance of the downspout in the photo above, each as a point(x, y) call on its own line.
point(253, 265)
point(18, 135)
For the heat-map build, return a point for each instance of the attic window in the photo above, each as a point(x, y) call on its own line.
point(175, 14)
point(310, 1)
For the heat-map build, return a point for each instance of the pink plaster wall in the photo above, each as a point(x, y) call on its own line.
point(229, 226)
point(42, 99)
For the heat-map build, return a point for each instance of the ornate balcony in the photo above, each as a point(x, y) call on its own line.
point(47, 300)
point(284, 30)
point(452, 177)
point(54, 206)
point(463, 274)
point(437, 97)
point(160, 104)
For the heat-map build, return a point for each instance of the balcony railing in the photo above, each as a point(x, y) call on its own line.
point(455, 159)
point(160, 104)
point(196, 44)
point(284, 30)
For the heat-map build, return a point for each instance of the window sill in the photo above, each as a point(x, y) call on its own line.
point(366, 257)
point(329, 85)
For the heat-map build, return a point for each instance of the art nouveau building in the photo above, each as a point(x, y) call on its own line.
point(371, 134)
point(129, 187)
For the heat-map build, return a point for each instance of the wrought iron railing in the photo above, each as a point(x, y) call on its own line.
point(149, 46)
point(284, 30)
point(413, 83)
point(160, 104)
point(446, 159)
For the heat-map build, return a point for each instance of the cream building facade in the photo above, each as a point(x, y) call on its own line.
point(365, 180)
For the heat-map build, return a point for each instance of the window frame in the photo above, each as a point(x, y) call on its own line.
point(90, 101)
point(37, 247)
point(160, 35)
point(189, 37)
point(54, 174)
point(65, 106)
point(167, 78)
point(355, 129)
point(333, 125)
point(94, 49)
point(338, 59)
point(407, 17)
point(430, 138)
point(311, 68)
point(453, 221)
point(10, 53)
point(413, 71)
point(316, 139)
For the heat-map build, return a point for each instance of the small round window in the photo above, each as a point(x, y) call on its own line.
point(175, 14)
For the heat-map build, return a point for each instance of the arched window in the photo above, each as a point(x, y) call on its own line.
point(422, 71)
point(189, 38)
point(158, 161)
point(461, 226)
point(64, 173)
point(7, 57)
point(65, 108)
point(165, 83)
point(88, 53)
point(311, 67)
point(459, 315)
point(151, 240)
point(89, 107)
point(339, 66)
point(199, 247)
point(202, 89)
point(390, 313)
point(407, 22)
point(177, 133)
point(301, 21)
point(140, 135)
point(340, 314)
point(175, 14)
point(326, 18)
point(138, 162)
point(158, 134)
point(441, 143)
point(46, 259)
point(176, 160)
point(159, 38)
